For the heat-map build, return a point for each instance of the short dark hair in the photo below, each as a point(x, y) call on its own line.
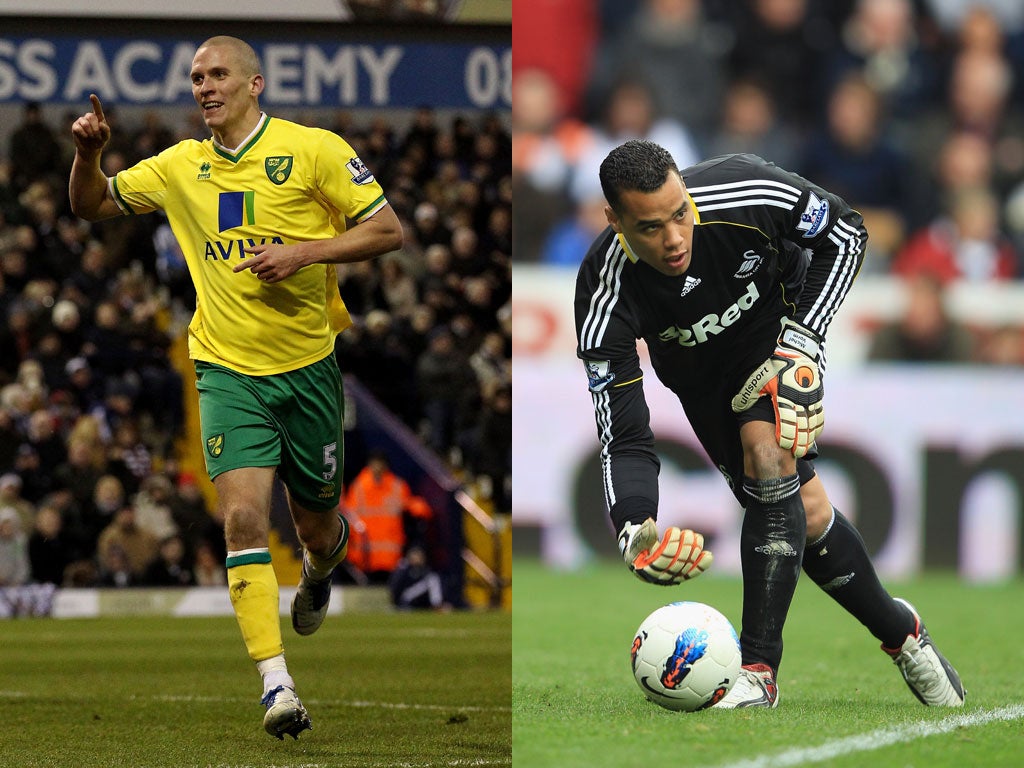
point(637, 165)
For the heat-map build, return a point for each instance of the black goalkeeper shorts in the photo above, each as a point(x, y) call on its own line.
point(718, 429)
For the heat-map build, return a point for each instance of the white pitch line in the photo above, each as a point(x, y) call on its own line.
point(335, 703)
point(883, 737)
point(170, 697)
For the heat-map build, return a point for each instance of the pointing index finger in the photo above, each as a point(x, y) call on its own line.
point(97, 108)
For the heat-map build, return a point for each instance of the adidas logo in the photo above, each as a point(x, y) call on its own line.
point(837, 582)
point(776, 548)
point(689, 285)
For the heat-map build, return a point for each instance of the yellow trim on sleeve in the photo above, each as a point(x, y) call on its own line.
point(631, 381)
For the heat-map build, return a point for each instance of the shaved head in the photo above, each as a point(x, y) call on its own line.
point(241, 51)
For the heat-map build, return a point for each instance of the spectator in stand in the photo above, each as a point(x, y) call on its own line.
point(663, 31)
point(360, 287)
point(988, 26)
point(171, 268)
point(978, 102)
point(965, 244)
point(496, 240)
point(632, 112)
point(115, 569)
point(50, 549)
point(11, 498)
point(11, 212)
point(879, 41)
point(36, 477)
point(153, 506)
point(750, 123)
point(491, 457)
point(963, 161)
point(924, 331)
point(33, 150)
point(444, 380)
point(67, 324)
point(85, 390)
point(54, 246)
point(9, 437)
point(980, 29)
point(384, 364)
point(91, 280)
point(561, 40)
point(423, 132)
point(191, 514)
point(170, 568)
point(128, 455)
point(107, 498)
point(1002, 346)
point(17, 337)
point(107, 346)
point(398, 286)
point(855, 159)
point(33, 380)
point(414, 584)
point(124, 537)
point(43, 437)
point(388, 512)
point(14, 562)
point(491, 363)
point(548, 143)
point(151, 138)
point(208, 571)
point(82, 470)
point(439, 285)
point(779, 43)
point(570, 238)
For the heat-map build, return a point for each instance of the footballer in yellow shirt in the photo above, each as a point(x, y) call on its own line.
point(262, 211)
point(285, 183)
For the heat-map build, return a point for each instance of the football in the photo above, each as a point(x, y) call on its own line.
point(686, 656)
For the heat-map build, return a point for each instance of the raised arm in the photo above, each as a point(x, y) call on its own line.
point(88, 188)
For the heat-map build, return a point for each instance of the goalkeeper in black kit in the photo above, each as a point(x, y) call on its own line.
point(731, 271)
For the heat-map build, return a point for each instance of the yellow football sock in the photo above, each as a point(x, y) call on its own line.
point(252, 585)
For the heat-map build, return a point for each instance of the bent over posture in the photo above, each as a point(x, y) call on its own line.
point(260, 211)
point(731, 272)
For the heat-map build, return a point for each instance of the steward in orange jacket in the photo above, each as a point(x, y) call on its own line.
point(378, 498)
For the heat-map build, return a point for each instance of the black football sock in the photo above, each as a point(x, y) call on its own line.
point(771, 545)
point(838, 562)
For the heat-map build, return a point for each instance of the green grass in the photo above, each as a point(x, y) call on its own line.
point(417, 690)
point(575, 703)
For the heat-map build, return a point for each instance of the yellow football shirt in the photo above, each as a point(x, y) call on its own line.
point(286, 183)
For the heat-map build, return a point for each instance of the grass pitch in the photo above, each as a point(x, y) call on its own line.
point(420, 690)
point(843, 703)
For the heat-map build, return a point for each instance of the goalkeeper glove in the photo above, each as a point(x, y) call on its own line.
point(679, 555)
point(792, 379)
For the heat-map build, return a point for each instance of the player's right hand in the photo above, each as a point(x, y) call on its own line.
point(91, 131)
point(675, 557)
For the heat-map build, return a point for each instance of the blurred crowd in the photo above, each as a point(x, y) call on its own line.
point(91, 404)
point(912, 110)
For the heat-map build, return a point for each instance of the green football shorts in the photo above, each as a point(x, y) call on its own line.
point(292, 421)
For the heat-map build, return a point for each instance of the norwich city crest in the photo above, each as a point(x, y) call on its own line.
point(215, 445)
point(279, 168)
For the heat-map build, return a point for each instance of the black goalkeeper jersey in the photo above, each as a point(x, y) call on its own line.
point(766, 244)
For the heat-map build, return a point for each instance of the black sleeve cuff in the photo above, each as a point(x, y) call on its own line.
point(635, 509)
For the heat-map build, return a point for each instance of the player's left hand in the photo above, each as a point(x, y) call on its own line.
point(792, 378)
point(675, 557)
point(271, 262)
